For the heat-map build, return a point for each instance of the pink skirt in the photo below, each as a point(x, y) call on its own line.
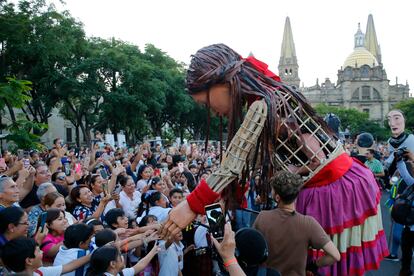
point(348, 210)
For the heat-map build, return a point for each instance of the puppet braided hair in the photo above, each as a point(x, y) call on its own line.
point(219, 64)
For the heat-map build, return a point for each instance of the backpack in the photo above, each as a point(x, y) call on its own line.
point(403, 210)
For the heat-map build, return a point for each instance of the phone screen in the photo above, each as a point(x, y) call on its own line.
point(180, 167)
point(78, 168)
point(43, 217)
point(103, 174)
point(26, 163)
point(67, 168)
point(216, 220)
point(2, 163)
point(20, 154)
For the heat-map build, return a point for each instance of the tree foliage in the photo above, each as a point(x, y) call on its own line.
point(95, 83)
point(14, 94)
point(354, 120)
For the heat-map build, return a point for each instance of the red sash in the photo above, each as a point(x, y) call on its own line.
point(331, 172)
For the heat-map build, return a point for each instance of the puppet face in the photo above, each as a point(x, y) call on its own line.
point(220, 100)
point(396, 122)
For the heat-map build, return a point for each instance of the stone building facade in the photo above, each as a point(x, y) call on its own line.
point(362, 81)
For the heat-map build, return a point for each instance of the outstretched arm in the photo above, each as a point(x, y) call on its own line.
point(231, 167)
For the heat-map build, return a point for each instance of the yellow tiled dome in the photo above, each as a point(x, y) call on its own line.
point(360, 56)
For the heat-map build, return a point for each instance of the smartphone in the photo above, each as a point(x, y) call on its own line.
point(103, 173)
point(26, 163)
point(105, 156)
point(20, 154)
point(118, 189)
point(216, 220)
point(105, 187)
point(78, 168)
point(181, 167)
point(43, 217)
point(117, 163)
point(2, 163)
point(66, 166)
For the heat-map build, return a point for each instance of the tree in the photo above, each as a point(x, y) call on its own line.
point(14, 94)
point(355, 120)
point(38, 43)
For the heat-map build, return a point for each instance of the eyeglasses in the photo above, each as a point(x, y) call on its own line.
point(24, 223)
point(61, 177)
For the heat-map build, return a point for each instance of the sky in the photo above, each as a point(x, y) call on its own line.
point(323, 31)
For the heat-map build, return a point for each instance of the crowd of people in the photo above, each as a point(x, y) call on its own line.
point(59, 205)
point(95, 210)
point(101, 210)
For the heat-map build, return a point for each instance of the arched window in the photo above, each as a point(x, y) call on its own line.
point(375, 94)
point(366, 93)
point(365, 71)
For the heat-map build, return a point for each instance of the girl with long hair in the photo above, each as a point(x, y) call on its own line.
point(107, 260)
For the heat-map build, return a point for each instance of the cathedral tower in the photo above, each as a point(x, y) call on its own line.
point(288, 63)
point(371, 41)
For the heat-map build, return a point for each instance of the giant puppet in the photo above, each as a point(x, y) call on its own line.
point(282, 132)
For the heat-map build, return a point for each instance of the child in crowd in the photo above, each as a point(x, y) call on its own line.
point(108, 260)
point(153, 266)
point(57, 223)
point(176, 196)
point(171, 256)
point(155, 205)
point(56, 200)
point(23, 256)
point(76, 242)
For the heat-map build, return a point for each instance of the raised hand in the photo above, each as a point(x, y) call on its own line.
point(179, 217)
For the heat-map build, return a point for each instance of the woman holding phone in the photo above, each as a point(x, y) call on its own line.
point(56, 222)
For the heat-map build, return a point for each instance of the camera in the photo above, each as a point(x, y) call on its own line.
point(399, 154)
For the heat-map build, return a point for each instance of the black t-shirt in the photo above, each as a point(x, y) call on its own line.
point(31, 198)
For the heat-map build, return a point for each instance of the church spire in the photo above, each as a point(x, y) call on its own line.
point(371, 42)
point(288, 63)
point(359, 38)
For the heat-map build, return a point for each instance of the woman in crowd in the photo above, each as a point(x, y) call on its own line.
point(56, 200)
point(130, 198)
point(96, 186)
point(83, 198)
point(14, 223)
point(9, 193)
